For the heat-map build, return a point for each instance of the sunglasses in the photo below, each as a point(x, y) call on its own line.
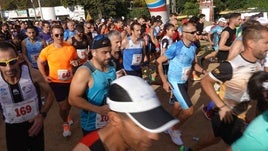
point(57, 35)
point(11, 62)
point(192, 32)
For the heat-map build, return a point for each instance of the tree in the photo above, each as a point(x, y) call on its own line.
point(262, 5)
point(191, 8)
point(25, 4)
point(106, 8)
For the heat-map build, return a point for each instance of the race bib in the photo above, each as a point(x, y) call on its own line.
point(136, 59)
point(82, 53)
point(20, 112)
point(101, 120)
point(64, 74)
point(185, 73)
point(34, 57)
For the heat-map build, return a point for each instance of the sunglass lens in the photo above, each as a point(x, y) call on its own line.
point(12, 62)
point(3, 64)
point(57, 35)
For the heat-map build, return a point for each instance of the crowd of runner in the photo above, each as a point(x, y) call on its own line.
point(87, 64)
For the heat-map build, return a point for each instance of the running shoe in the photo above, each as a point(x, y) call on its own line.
point(69, 120)
point(175, 136)
point(207, 112)
point(66, 130)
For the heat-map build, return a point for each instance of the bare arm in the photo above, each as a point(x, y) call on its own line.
point(224, 36)
point(41, 66)
point(81, 147)
point(124, 43)
point(81, 81)
point(198, 68)
point(236, 48)
point(207, 84)
point(165, 82)
point(24, 53)
point(44, 44)
point(69, 40)
point(49, 96)
point(45, 89)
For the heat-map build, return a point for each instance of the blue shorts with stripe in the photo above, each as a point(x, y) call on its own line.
point(180, 94)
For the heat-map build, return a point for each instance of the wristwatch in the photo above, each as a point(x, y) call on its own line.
point(43, 114)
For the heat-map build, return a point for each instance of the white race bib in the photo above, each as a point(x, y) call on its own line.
point(64, 74)
point(34, 57)
point(136, 59)
point(20, 112)
point(82, 53)
point(101, 120)
point(185, 73)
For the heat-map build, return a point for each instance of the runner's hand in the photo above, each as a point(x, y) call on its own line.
point(103, 110)
point(37, 125)
point(225, 114)
point(167, 87)
point(74, 63)
point(47, 78)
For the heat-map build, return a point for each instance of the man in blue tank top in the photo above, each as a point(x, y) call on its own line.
point(90, 85)
point(181, 56)
point(32, 46)
point(133, 51)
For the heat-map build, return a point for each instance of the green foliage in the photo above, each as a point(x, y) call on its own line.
point(191, 8)
point(180, 5)
point(24, 4)
point(107, 8)
point(260, 4)
point(67, 3)
point(137, 12)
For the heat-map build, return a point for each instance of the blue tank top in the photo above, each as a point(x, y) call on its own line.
point(96, 95)
point(181, 59)
point(132, 56)
point(33, 50)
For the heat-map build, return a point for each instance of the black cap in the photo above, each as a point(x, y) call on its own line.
point(100, 41)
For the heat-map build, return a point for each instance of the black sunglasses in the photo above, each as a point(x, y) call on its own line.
point(57, 35)
point(192, 32)
point(11, 62)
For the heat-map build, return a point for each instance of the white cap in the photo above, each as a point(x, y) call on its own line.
point(263, 20)
point(222, 20)
point(135, 97)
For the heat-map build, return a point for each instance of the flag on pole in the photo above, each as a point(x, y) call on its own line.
point(88, 18)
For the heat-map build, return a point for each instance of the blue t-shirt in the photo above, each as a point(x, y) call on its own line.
point(181, 59)
point(68, 34)
point(216, 33)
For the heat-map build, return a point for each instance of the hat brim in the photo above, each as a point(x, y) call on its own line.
point(155, 120)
